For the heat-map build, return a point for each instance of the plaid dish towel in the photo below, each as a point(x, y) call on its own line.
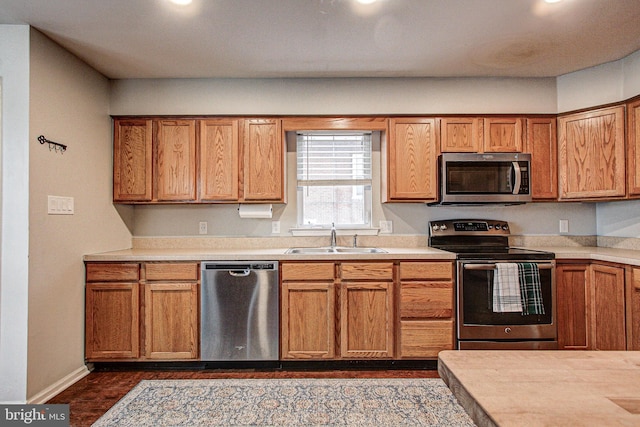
point(531, 294)
point(506, 288)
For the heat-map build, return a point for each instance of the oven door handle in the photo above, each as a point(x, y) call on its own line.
point(541, 266)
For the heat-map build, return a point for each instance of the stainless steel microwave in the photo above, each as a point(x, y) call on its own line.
point(474, 178)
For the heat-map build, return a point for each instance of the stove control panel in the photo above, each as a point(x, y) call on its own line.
point(468, 227)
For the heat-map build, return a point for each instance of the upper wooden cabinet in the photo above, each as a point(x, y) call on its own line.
point(219, 160)
point(167, 160)
point(481, 135)
point(591, 151)
point(541, 143)
point(461, 134)
point(263, 160)
point(503, 134)
point(175, 165)
point(132, 157)
point(412, 158)
point(633, 147)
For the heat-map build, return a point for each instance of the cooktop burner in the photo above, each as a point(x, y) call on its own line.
point(479, 239)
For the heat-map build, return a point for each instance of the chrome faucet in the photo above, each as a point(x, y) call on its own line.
point(333, 234)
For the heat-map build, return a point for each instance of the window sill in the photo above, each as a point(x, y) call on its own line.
point(309, 232)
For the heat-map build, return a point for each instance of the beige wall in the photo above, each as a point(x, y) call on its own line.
point(69, 103)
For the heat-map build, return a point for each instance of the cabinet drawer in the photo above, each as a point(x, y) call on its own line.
point(367, 271)
point(112, 272)
point(426, 270)
point(420, 339)
point(426, 300)
point(307, 271)
point(171, 271)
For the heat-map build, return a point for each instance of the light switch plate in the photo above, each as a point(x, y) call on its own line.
point(58, 205)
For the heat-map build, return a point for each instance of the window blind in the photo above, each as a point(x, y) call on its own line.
point(333, 158)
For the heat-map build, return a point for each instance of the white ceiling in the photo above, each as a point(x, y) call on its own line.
point(335, 38)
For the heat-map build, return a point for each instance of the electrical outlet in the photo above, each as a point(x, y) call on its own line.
point(203, 227)
point(275, 227)
point(386, 227)
point(564, 226)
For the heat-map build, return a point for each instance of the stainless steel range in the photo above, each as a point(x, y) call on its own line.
point(505, 297)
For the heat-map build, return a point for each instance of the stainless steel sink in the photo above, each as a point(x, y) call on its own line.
point(336, 250)
point(360, 250)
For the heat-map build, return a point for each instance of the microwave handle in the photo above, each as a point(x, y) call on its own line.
point(515, 168)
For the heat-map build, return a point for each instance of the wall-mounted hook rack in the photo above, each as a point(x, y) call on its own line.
point(55, 146)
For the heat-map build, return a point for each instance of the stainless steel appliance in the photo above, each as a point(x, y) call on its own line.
point(480, 246)
point(239, 311)
point(471, 178)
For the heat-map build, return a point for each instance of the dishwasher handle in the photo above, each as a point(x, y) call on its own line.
point(239, 273)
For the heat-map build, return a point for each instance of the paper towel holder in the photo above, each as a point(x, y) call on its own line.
point(255, 210)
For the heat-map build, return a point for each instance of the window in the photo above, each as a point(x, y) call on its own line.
point(334, 179)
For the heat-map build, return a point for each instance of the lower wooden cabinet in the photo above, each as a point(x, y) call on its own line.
point(131, 315)
point(366, 310)
point(591, 306)
point(607, 305)
point(633, 308)
point(171, 321)
point(573, 309)
point(112, 325)
point(366, 320)
point(426, 309)
point(307, 310)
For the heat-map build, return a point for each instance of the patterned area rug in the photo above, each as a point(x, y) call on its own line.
point(288, 402)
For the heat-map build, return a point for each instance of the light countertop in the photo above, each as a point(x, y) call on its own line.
point(545, 388)
point(276, 254)
point(622, 256)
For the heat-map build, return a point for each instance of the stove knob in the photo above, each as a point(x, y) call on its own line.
point(443, 227)
point(435, 227)
point(505, 227)
point(490, 226)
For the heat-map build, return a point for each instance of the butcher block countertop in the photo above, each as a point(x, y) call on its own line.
point(545, 388)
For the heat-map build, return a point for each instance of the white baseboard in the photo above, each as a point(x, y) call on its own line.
point(59, 386)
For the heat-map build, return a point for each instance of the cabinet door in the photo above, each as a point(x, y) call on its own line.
point(219, 160)
point(503, 135)
point(461, 134)
point(366, 320)
point(542, 145)
point(592, 153)
point(132, 159)
point(412, 160)
point(633, 147)
point(572, 306)
point(633, 310)
point(263, 161)
point(171, 320)
point(176, 160)
point(112, 322)
point(608, 320)
point(308, 320)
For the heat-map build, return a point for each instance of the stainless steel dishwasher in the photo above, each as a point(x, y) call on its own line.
point(239, 311)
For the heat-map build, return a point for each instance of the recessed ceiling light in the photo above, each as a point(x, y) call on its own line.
point(181, 2)
point(552, 1)
point(366, 1)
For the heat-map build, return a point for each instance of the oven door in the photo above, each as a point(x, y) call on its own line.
point(476, 319)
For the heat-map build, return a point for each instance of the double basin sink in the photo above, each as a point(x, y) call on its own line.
point(335, 250)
